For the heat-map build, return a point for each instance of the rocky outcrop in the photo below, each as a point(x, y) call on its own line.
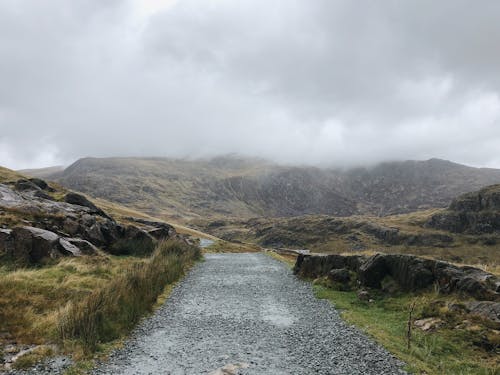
point(313, 266)
point(474, 213)
point(156, 229)
point(80, 200)
point(71, 228)
point(393, 236)
point(30, 245)
point(409, 272)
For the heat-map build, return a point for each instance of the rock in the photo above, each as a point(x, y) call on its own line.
point(315, 266)
point(134, 241)
point(33, 244)
point(428, 324)
point(364, 295)
point(6, 241)
point(477, 213)
point(67, 248)
point(80, 200)
point(94, 235)
point(84, 246)
point(137, 234)
point(156, 229)
point(43, 195)
point(40, 183)
point(75, 198)
point(485, 309)
point(160, 233)
point(71, 226)
point(341, 275)
point(22, 185)
point(409, 272)
point(373, 271)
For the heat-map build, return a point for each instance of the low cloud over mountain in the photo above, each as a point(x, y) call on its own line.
point(316, 82)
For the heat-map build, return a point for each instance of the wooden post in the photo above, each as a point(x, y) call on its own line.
point(410, 324)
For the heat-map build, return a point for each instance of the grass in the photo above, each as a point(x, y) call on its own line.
point(222, 246)
point(110, 312)
point(288, 259)
point(443, 351)
point(43, 305)
point(335, 235)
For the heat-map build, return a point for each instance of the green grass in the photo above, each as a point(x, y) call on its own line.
point(444, 351)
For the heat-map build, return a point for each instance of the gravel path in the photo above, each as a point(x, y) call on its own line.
point(247, 314)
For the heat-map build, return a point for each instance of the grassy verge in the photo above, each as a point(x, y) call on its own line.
point(447, 350)
point(41, 305)
point(288, 259)
point(111, 311)
point(221, 246)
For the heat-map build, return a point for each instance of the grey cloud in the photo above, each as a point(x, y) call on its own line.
point(319, 82)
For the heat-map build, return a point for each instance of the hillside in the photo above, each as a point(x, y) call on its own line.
point(239, 187)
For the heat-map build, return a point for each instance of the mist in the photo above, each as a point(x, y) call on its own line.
point(328, 83)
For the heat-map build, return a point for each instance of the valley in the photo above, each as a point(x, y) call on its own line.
point(85, 236)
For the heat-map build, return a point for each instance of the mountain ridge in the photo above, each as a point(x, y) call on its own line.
point(249, 187)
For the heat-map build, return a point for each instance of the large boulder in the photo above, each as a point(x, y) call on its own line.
point(31, 244)
point(316, 266)
point(41, 184)
point(77, 246)
point(157, 229)
point(81, 200)
point(135, 241)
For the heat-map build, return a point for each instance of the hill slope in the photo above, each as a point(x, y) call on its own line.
point(237, 187)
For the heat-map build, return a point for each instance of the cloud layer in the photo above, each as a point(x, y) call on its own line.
point(323, 82)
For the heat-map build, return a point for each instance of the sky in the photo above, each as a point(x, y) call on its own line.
point(317, 82)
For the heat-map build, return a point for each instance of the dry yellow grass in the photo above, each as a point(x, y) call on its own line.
point(30, 298)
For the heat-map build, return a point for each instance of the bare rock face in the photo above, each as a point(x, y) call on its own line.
point(71, 228)
point(409, 272)
point(476, 213)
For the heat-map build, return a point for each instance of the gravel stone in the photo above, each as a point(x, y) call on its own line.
point(247, 314)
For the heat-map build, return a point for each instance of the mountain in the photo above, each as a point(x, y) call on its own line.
point(242, 187)
point(42, 172)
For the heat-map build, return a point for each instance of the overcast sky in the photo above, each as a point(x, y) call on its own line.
point(321, 82)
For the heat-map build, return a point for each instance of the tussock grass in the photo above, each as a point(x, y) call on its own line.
point(112, 310)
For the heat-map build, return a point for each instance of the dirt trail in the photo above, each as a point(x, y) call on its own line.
point(247, 314)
